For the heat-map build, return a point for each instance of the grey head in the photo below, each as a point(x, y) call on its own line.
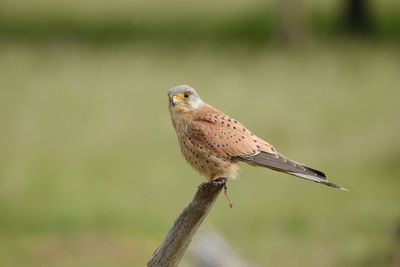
point(184, 98)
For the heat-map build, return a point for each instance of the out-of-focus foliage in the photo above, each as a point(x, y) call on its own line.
point(252, 21)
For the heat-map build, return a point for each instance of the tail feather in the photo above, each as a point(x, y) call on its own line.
point(279, 162)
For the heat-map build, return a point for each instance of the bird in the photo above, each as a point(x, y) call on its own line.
point(213, 143)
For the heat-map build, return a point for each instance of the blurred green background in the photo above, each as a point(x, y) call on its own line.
point(90, 169)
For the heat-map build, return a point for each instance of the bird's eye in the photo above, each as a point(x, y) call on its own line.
point(186, 95)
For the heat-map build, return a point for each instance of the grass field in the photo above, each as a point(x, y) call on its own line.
point(91, 173)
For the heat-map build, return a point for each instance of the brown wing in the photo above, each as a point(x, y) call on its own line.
point(224, 135)
point(213, 130)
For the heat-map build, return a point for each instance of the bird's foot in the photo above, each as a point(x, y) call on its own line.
point(224, 181)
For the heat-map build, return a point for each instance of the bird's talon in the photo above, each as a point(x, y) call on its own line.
point(224, 181)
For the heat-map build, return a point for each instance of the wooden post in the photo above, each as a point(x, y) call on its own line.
point(174, 245)
point(291, 22)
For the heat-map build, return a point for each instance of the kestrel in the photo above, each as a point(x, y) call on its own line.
point(213, 143)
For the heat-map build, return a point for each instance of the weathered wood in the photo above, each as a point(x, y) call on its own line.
point(174, 245)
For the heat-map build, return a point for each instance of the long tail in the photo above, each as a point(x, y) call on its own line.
point(281, 163)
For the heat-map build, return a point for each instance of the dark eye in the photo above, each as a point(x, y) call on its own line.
point(186, 94)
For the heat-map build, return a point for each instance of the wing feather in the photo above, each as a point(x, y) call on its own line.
point(279, 162)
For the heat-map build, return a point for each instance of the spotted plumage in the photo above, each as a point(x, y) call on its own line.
point(213, 142)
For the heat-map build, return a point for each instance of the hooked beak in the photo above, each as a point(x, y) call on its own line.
point(173, 100)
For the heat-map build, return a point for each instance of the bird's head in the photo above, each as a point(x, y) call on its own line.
point(183, 98)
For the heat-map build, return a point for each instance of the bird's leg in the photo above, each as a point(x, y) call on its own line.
point(224, 180)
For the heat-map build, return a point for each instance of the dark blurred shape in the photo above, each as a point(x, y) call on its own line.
point(357, 16)
point(396, 249)
point(291, 22)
